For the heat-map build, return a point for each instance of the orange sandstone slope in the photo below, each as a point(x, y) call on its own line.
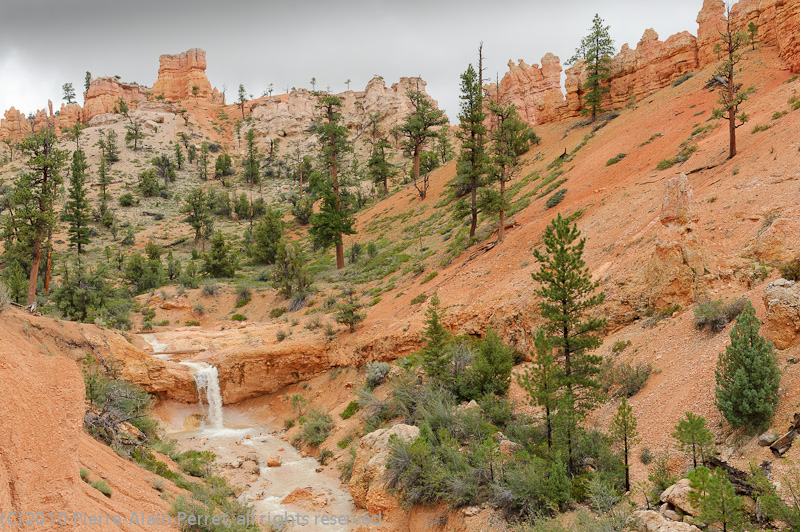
point(42, 439)
point(746, 212)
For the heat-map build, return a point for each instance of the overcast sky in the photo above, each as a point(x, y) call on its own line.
point(44, 43)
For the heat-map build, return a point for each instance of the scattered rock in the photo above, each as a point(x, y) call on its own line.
point(782, 301)
point(767, 439)
point(274, 461)
point(650, 521)
point(308, 498)
point(678, 496)
point(468, 407)
point(673, 515)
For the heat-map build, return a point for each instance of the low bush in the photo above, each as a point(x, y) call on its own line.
point(351, 409)
point(127, 200)
point(714, 315)
point(281, 335)
point(556, 198)
point(210, 288)
point(317, 427)
point(277, 312)
point(617, 158)
point(681, 79)
point(324, 456)
point(239, 317)
point(789, 271)
point(102, 486)
point(376, 373)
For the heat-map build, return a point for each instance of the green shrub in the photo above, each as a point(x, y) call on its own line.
point(344, 442)
point(616, 159)
point(791, 270)
point(681, 79)
point(102, 486)
point(192, 323)
point(556, 198)
point(288, 423)
point(714, 315)
point(239, 317)
point(625, 378)
point(317, 428)
point(351, 409)
point(84, 474)
point(620, 346)
point(376, 373)
point(242, 302)
point(419, 299)
point(646, 456)
point(210, 288)
point(764, 127)
point(429, 277)
point(127, 200)
point(281, 335)
point(324, 456)
point(277, 312)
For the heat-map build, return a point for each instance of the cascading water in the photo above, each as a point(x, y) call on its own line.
point(206, 378)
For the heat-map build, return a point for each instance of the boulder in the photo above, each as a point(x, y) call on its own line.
point(782, 301)
point(650, 521)
point(767, 439)
point(104, 119)
point(672, 515)
point(678, 496)
point(367, 483)
point(274, 461)
point(308, 498)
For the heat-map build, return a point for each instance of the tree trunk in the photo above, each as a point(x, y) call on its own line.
point(627, 467)
point(474, 208)
point(339, 256)
point(385, 186)
point(49, 267)
point(34, 277)
point(422, 191)
point(335, 182)
point(732, 131)
point(501, 231)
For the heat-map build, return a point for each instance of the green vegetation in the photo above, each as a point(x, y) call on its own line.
point(596, 50)
point(352, 408)
point(694, 439)
point(747, 375)
point(617, 158)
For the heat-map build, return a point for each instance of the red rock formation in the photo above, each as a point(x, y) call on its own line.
point(14, 126)
point(103, 94)
point(177, 74)
point(711, 21)
point(777, 21)
point(535, 91)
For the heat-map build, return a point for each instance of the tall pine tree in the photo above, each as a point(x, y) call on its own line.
point(542, 381)
point(77, 209)
point(747, 375)
point(511, 138)
point(329, 225)
point(473, 162)
point(435, 355)
point(418, 129)
point(624, 432)
point(694, 438)
point(567, 297)
point(595, 50)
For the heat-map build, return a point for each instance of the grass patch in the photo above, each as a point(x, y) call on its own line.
point(102, 486)
point(681, 79)
point(761, 128)
point(351, 409)
point(419, 299)
point(238, 317)
point(617, 158)
point(556, 198)
point(682, 157)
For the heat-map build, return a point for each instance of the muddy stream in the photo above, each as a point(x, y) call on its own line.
point(235, 436)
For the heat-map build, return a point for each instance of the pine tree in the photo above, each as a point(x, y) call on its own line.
point(250, 161)
point(435, 355)
point(87, 80)
point(595, 50)
point(348, 310)
point(747, 375)
point(77, 209)
point(542, 381)
point(198, 213)
point(133, 133)
point(566, 290)
point(266, 237)
point(418, 129)
point(69, 92)
point(624, 431)
point(242, 99)
point(178, 156)
point(444, 148)
point(511, 138)
point(380, 169)
point(752, 31)
point(291, 277)
point(219, 261)
point(694, 438)
point(473, 162)
point(33, 199)
point(731, 95)
point(334, 220)
point(718, 504)
point(73, 133)
point(164, 168)
point(104, 180)
point(203, 161)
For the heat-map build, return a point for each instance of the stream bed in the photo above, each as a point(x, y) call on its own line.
point(321, 504)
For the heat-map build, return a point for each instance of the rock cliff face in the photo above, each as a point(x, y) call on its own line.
point(103, 94)
point(653, 64)
point(178, 73)
point(292, 114)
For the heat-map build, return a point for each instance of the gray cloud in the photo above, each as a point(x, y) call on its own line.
point(44, 43)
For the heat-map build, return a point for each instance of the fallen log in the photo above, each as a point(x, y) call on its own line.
point(737, 477)
point(784, 443)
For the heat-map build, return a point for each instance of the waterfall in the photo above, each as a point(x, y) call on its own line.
point(206, 378)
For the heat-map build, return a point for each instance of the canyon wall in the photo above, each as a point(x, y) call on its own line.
point(653, 64)
point(179, 73)
point(293, 114)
